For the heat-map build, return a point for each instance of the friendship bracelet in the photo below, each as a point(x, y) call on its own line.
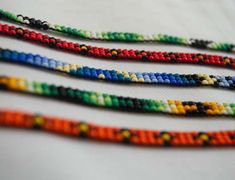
point(96, 99)
point(117, 36)
point(188, 80)
point(140, 137)
point(98, 52)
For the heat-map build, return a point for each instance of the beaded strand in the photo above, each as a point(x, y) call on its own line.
point(140, 137)
point(117, 36)
point(115, 54)
point(97, 99)
point(187, 80)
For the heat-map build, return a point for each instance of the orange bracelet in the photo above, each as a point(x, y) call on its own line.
point(114, 134)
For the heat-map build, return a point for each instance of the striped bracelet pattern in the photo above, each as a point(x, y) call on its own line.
point(115, 54)
point(96, 99)
point(187, 80)
point(117, 36)
point(140, 137)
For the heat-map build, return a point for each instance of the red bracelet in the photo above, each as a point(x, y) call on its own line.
point(137, 55)
point(114, 134)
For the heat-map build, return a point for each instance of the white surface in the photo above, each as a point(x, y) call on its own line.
point(33, 155)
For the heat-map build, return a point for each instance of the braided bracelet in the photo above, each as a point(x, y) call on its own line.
point(189, 80)
point(117, 36)
point(172, 107)
point(133, 136)
point(137, 55)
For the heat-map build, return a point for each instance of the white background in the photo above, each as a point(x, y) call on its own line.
point(30, 155)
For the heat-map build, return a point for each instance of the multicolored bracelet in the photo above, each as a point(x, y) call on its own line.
point(172, 107)
point(187, 80)
point(137, 55)
point(117, 36)
point(140, 137)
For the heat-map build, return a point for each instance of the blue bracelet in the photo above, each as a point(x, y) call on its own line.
point(190, 80)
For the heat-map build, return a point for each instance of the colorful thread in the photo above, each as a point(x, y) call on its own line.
point(97, 99)
point(140, 137)
point(188, 80)
point(117, 36)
